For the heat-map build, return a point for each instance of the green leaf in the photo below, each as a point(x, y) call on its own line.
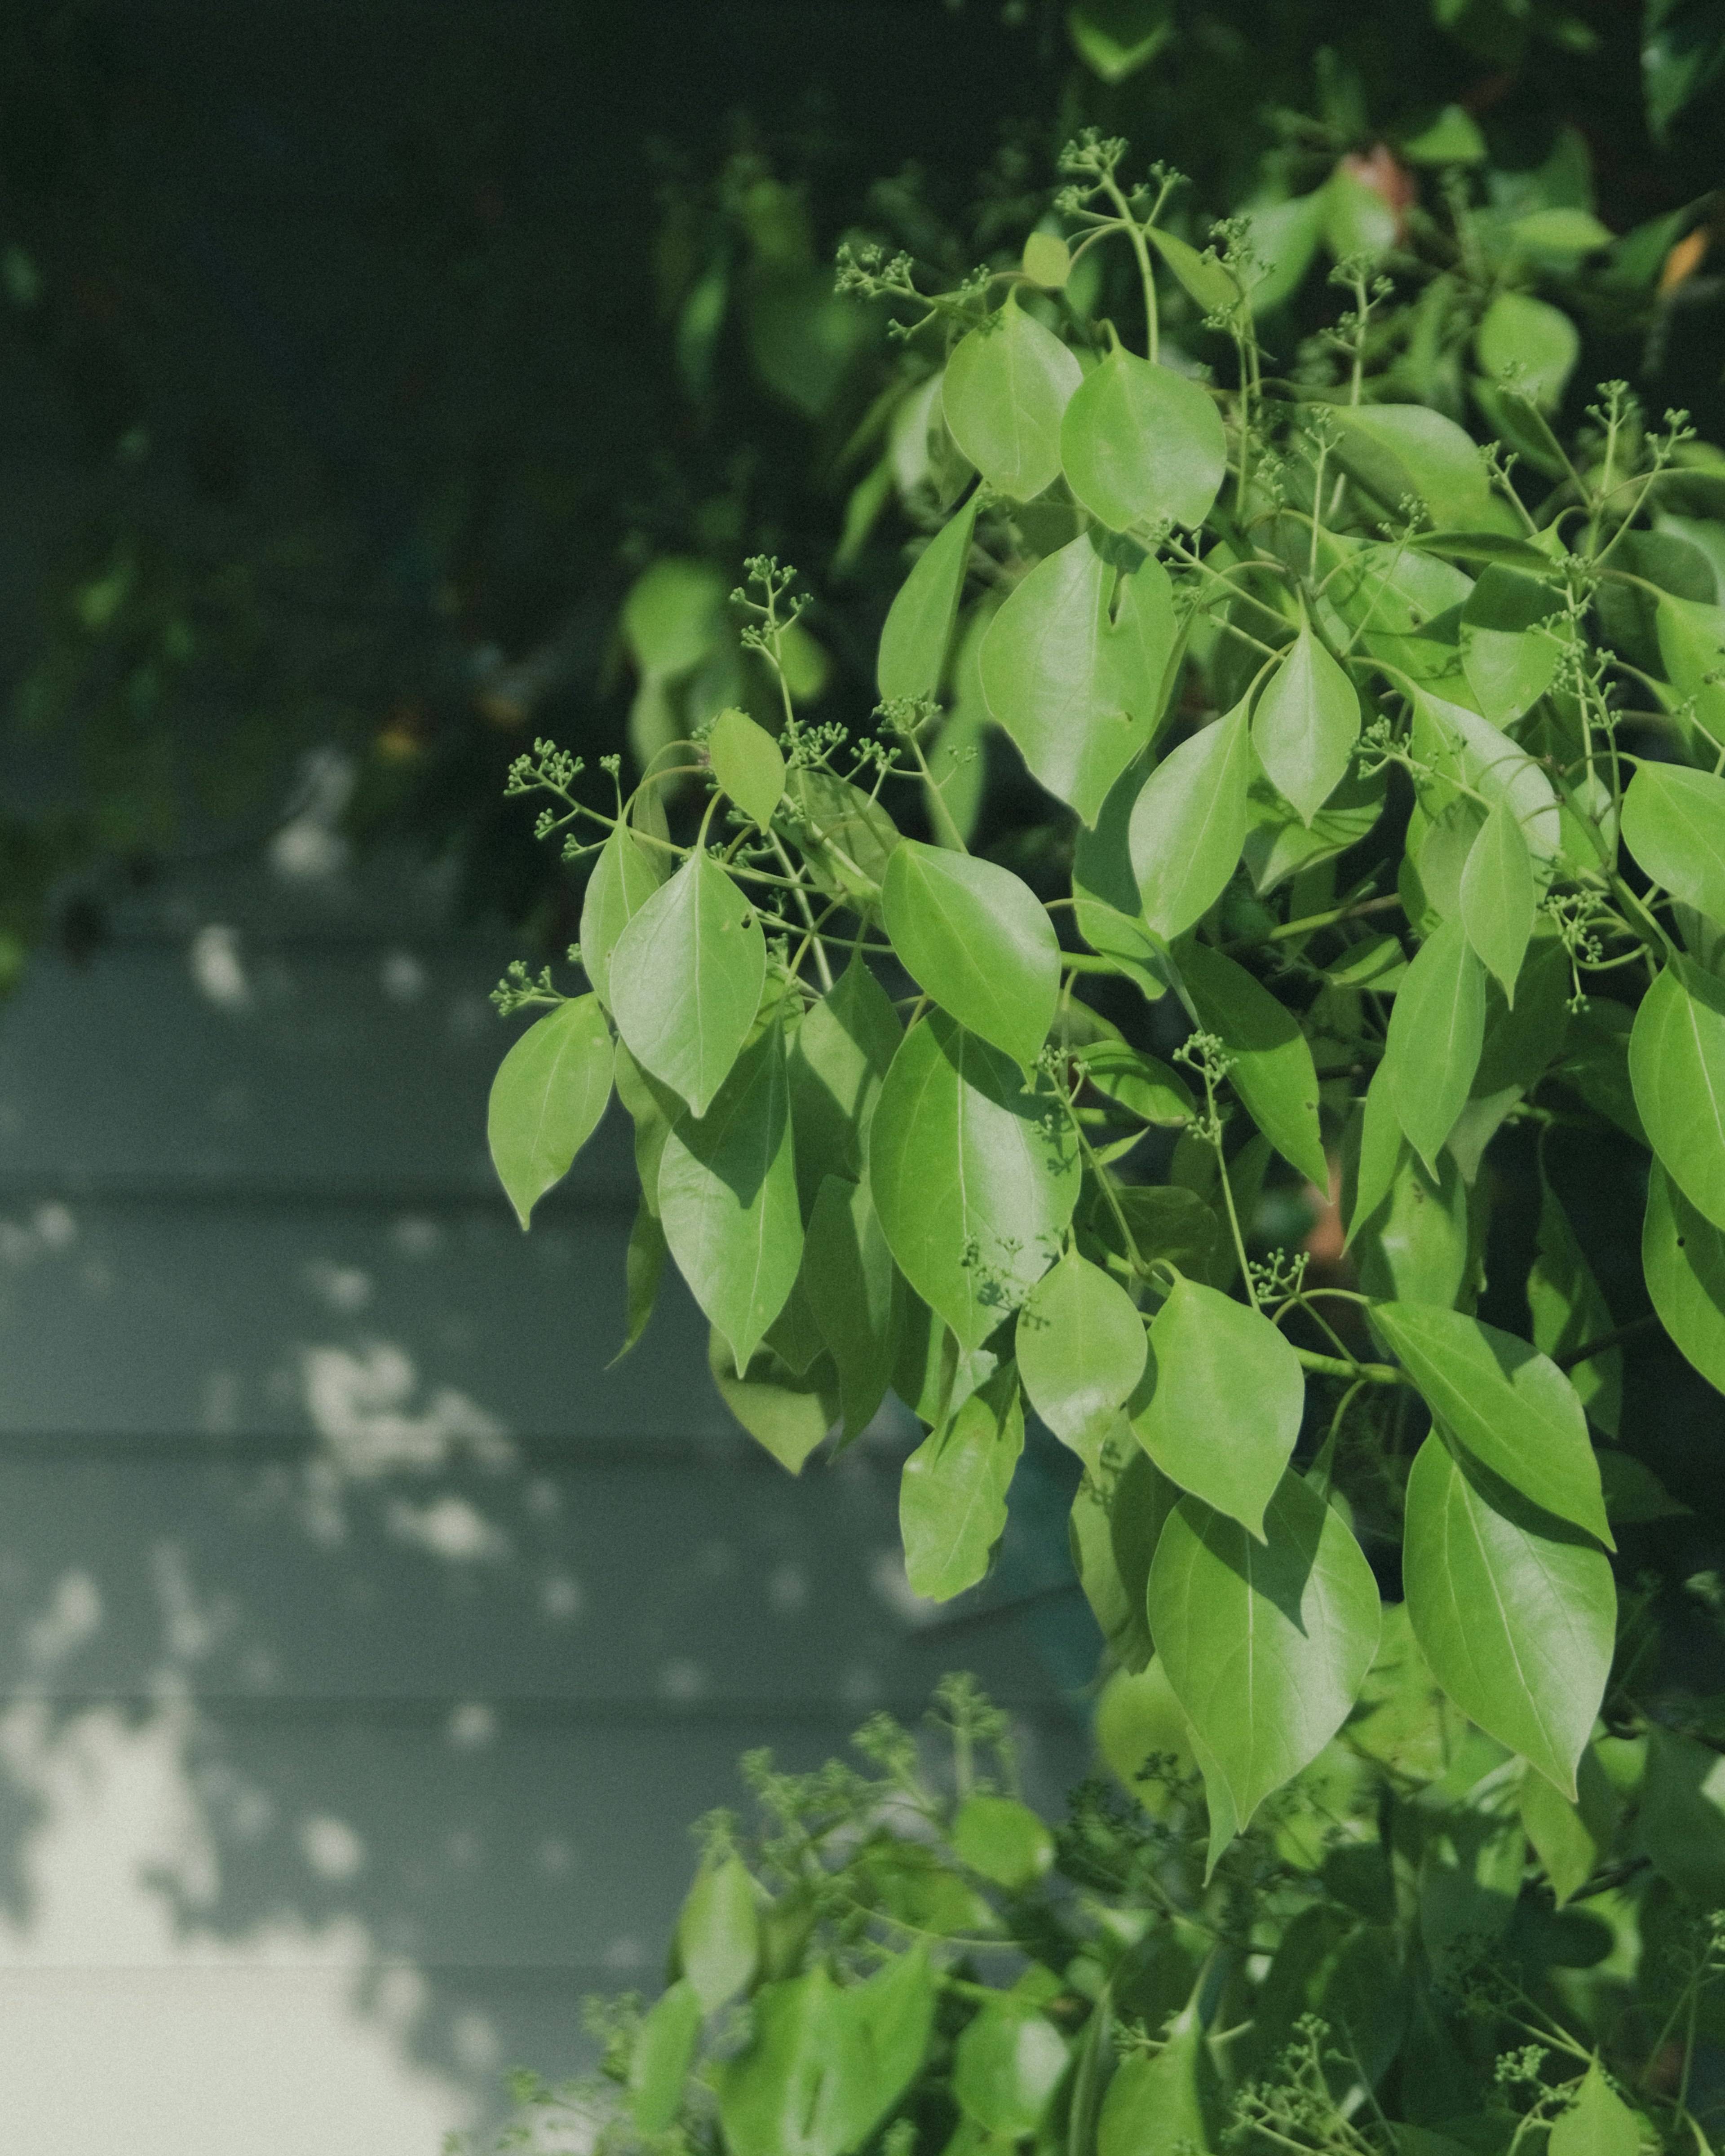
point(1073, 667)
point(642, 1268)
point(1508, 1405)
point(652, 1108)
point(1372, 1156)
point(664, 2053)
point(839, 1057)
point(845, 837)
point(918, 631)
point(1278, 845)
point(796, 2089)
point(1266, 1646)
point(1634, 1493)
point(1451, 137)
point(686, 979)
point(977, 939)
point(1306, 725)
point(624, 877)
point(1141, 1085)
point(1682, 1825)
point(1515, 1614)
point(1164, 2104)
point(951, 1503)
point(1513, 631)
point(1436, 1031)
point(1189, 823)
point(1674, 825)
point(786, 1415)
point(848, 1272)
point(1081, 1351)
point(893, 2014)
point(1116, 38)
point(673, 616)
point(1560, 232)
point(1393, 450)
point(1005, 394)
point(1006, 2067)
point(1533, 343)
point(1498, 898)
point(1003, 1840)
point(1598, 2124)
point(1271, 1069)
point(1682, 51)
point(1209, 283)
point(1569, 1311)
point(1357, 219)
point(1458, 742)
point(747, 762)
point(1683, 1258)
point(974, 1180)
point(1047, 260)
point(1284, 236)
point(1219, 1407)
point(1677, 1061)
point(1140, 442)
point(727, 1196)
point(1570, 1839)
point(546, 1100)
point(1118, 1610)
point(718, 1932)
point(1416, 1247)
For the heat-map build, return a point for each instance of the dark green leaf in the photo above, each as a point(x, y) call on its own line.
point(951, 1506)
point(1512, 627)
point(1683, 1257)
point(1116, 38)
point(918, 631)
point(1081, 1350)
point(1515, 1614)
point(786, 1415)
point(686, 979)
point(642, 1268)
point(1510, 1406)
point(1141, 443)
point(1189, 822)
point(839, 1056)
point(1278, 844)
point(1004, 392)
point(1681, 1827)
point(546, 1100)
point(849, 1274)
point(1372, 1154)
point(1306, 725)
point(1436, 1032)
point(1271, 1069)
point(1266, 1646)
point(1569, 1311)
point(976, 938)
point(1677, 1061)
point(1570, 1839)
point(1219, 1407)
point(1673, 823)
point(652, 1108)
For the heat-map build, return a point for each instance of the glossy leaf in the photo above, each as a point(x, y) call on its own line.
point(952, 1505)
point(1674, 825)
point(747, 762)
point(718, 1932)
point(1498, 897)
point(1598, 2124)
point(973, 1182)
point(1569, 1311)
point(1219, 1409)
point(1306, 725)
point(849, 1275)
point(664, 2053)
point(1140, 442)
point(546, 1100)
point(976, 938)
point(918, 631)
point(727, 1196)
point(1074, 666)
point(1683, 1258)
point(1189, 822)
point(686, 978)
point(1677, 1062)
point(1005, 394)
point(1508, 1405)
point(1436, 1031)
point(1272, 1069)
point(839, 1060)
point(1515, 1614)
point(1081, 1350)
point(1266, 1645)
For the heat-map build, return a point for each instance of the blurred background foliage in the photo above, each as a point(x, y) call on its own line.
point(332, 612)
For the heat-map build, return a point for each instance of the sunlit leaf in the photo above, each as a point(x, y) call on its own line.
point(1674, 825)
point(1436, 1031)
point(1080, 1351)
point(686, 978)
point(747, 762)
point(918, 631)
point(1306, 725)
point(1140, 442)
point(1188, 823)
point(1677, 1062)
point(1005, 394)
point(546, 1100)
point(978, 940)
point(1498, 897)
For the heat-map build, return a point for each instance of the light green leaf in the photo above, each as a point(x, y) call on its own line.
point(1515, 1614)
point(1452, 137)
point(1284, 236)
point(1498, 897)
point(1003, 1840)
point(1006, 2067)
point(747, 762)
point(652, 1108)
point(1436, 1031)
point(1119, 1611)
point(974, 1180)
point(1278, 845)
point(1189, 823)
point(1416, 1247)
point(1372, 1155)
point(1458, 742)
point(1677, 1061)
point(892, 2013)
point(1140, 442)
point(951, 1501)
point(1219, 1407)
point(1683, 1258)
point(1569, 1311)
point(1534, 343)
point(845, 837)
point(1598, 2124)
point(1511, 1407)
point(839, 1058)
point(1141, 1085)
point(624, 877)
point(786, 1415)
point(1674, 825)
point(664, 2053)
point(1513, 630)
point(977, 939)
point(642, 1268)
point(1164, 2104)
point(1692, 647)
point(1047, 260)
point(546, 1100)
point(1393, 450)
point(1211, 283)
point(687, 973)
point(797, 2090)
point(673, 616)
point(1081, 1351)
point(1570, 1839)
point(1005, 394)
point(1306, 725)
point(849, 1273)
point(1560, 232)
point(1271, 1070)
point(1357, 218)
point(727, 1196)
point(918, 631)
point(718, 1932)
point(1074, 667)
point(1266, 1646)
point(1116, 38)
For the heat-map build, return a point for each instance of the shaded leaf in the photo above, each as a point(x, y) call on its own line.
point(1569, 1311)
point(1271, 1069)
point(624, 877)
point(786, 1415)
point(952, 1505)
point(1683, 1259)
point(849, 1274)
point(839, 1057)
point(1306, 725)
point(1189, 822)
point(643, 1269)
point(1677, 1063)
point(1498, 897)
point(1080, 1349)
point(546, 1100)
